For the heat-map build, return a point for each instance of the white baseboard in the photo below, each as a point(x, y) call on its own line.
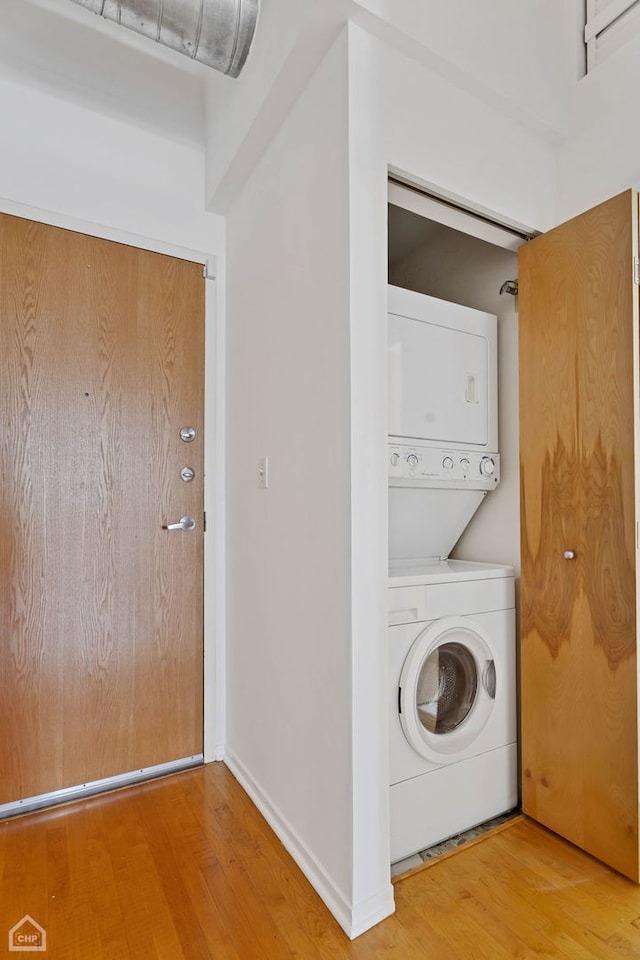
point(353, 918)
point(371, 911)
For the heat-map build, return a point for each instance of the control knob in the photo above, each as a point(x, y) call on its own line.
point(412, 460)
point(447, 463)
point(395, 457)
point(487, 467)
point(464, 464)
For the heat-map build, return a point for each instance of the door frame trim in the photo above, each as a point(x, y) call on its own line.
point(214, 464)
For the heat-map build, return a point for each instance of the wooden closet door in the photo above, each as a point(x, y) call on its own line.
point(101, 364)
point(578, 406)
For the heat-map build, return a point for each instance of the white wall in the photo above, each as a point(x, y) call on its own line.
point(289, 547)
point(64, 49)
point(291, 39)
point(508, 55)
point(466, 149)
point(100, 125)
point(601, 154)
point(66, 158)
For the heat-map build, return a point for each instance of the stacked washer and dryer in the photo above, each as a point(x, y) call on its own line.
point(452, 697)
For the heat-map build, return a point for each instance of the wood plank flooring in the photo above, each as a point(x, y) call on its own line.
point(185, 868)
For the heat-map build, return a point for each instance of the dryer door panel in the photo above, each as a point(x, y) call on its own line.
point(438, 383)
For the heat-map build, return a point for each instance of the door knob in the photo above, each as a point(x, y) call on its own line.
point(569, 555)
point(184, 523)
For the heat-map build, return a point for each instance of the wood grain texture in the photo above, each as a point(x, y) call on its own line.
point(578, 404)
point(185, 868)
point(101, 363)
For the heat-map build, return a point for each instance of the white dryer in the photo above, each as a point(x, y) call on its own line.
point(443, 373)
point(452, 699)
point(443, 421)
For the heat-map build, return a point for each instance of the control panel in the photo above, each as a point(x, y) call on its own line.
point(434, 466)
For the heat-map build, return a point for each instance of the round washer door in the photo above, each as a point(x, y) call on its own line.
point(447, 688)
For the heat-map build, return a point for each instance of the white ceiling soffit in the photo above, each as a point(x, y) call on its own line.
point(217, 33)
point(450, 215)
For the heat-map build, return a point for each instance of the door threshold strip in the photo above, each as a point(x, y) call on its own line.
point(45, 800)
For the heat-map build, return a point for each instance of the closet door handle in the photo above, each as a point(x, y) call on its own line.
point(569, 555)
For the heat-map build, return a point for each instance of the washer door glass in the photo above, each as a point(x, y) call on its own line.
point(447, 687)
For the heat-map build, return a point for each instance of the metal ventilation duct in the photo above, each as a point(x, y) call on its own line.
point(215, 32)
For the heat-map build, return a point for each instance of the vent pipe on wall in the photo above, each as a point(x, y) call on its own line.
point(217, 33)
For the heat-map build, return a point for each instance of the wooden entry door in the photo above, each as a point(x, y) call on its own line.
point(101, 647)
point(578, 316)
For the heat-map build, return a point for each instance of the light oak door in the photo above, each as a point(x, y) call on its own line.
point(101, 643)
point(578, 316)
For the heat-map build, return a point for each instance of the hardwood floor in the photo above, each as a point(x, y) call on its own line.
point(186, 869)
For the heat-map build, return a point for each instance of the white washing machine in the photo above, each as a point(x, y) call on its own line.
point(452, 700)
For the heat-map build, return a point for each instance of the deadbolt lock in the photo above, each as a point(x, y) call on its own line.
point(187, 434)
